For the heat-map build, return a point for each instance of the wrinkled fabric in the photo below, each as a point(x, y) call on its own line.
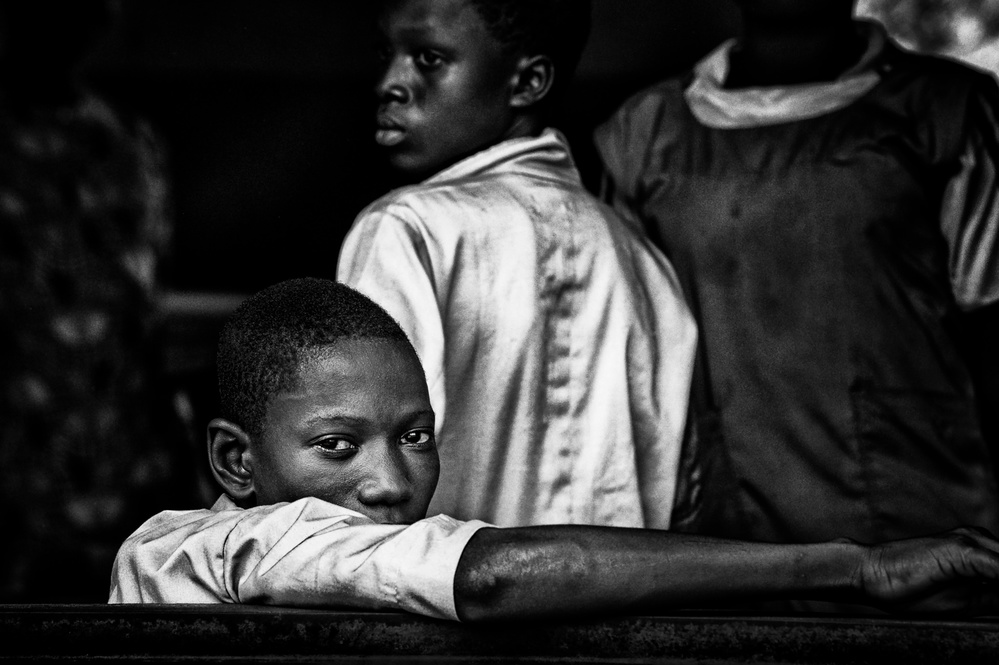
point(305, 553)
point(557, 346)
point(829, 258)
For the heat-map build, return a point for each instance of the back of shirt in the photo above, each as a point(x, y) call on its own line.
point(557, 346)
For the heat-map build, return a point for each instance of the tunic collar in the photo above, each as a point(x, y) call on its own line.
point(717, 107)
point(544, 155)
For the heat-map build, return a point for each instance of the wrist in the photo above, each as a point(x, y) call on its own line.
point(834, 569)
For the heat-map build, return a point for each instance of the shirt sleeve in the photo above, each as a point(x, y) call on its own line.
point(308, 553)
point(626, 142)
point(970, 210)
point(387, 258)
point(614, 145)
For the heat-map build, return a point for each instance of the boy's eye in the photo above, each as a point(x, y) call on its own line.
point(429, 59)
point(336, 446)
point(418, 438)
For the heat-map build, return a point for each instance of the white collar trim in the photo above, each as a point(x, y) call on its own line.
point(719, 108)
point(550, 143)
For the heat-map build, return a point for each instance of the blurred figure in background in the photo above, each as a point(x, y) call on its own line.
point(85, 428)
point(830, 203)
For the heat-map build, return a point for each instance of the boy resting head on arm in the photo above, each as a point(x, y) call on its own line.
point(327, 458)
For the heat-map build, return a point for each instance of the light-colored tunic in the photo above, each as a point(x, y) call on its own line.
point(557, 346)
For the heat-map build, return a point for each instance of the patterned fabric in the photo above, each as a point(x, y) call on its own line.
point(83, 443)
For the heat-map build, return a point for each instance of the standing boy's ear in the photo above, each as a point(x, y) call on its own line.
point(230, 457)
point(534, 78)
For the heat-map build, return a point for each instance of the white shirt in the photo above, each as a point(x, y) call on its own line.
point(305, 553)
point(557, 346)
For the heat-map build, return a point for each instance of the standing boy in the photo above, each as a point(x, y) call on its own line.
point(556, 343)
point(327, 457)
point(830, 201)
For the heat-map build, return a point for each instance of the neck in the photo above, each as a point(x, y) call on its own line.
point(781, 54)
point(524, 126)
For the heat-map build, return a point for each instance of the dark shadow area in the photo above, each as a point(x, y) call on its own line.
point(266, 107)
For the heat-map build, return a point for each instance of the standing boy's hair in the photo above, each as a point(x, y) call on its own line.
point(262, 344)
point(556, 28)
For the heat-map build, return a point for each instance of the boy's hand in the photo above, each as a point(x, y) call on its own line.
point(957, 571)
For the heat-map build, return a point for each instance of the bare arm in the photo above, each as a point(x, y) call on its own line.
point(572, 570)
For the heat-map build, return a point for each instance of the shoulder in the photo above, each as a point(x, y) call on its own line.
point(217, 528)
point(930, 83)
point(145, 566)
point(440, 214)
point(418, 208)
point(936, 69)
point(649, 120)
point(171, 527)
point(645, 112)
point(940, 100)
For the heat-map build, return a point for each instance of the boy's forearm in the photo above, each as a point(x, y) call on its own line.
point(567, 570)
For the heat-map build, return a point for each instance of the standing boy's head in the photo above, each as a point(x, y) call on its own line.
point(322, 395)
point(462, 75)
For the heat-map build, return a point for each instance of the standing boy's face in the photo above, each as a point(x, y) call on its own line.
point(445, 88)
point(357, 430)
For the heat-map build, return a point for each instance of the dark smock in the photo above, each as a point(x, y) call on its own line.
point(832, 397)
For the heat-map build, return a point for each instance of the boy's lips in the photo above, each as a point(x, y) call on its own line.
point(389, 132)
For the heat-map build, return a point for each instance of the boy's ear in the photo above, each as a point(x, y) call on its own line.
point(231, 459)
point(533, 80)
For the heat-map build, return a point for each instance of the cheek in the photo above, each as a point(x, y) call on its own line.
point(337, 485)
point(426, 473)
point(312, 478)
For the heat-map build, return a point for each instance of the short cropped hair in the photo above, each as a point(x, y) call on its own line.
point(264, 342)
point(556, 28)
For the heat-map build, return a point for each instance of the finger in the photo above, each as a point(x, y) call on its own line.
point(982, 536)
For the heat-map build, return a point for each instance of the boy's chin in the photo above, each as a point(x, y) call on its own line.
point(413, 168)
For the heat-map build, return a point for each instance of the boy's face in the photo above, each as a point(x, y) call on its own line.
point(445, 88)
point(357, 430)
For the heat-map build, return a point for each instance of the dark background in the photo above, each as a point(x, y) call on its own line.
point(265, 107)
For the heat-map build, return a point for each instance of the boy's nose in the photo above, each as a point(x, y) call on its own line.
point(393, 85)
point(387, 482)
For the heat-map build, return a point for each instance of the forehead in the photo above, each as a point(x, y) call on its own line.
point(355, 364)
point(371, 380)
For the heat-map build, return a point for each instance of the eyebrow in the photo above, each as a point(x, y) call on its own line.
point(354, 421)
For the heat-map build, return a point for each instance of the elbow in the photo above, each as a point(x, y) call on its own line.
point(477, 596)
point(517, 574)
point(480, 581)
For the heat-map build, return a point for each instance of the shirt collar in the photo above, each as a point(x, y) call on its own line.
point(547, 154)
point(224, 502)
point(717, 107)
